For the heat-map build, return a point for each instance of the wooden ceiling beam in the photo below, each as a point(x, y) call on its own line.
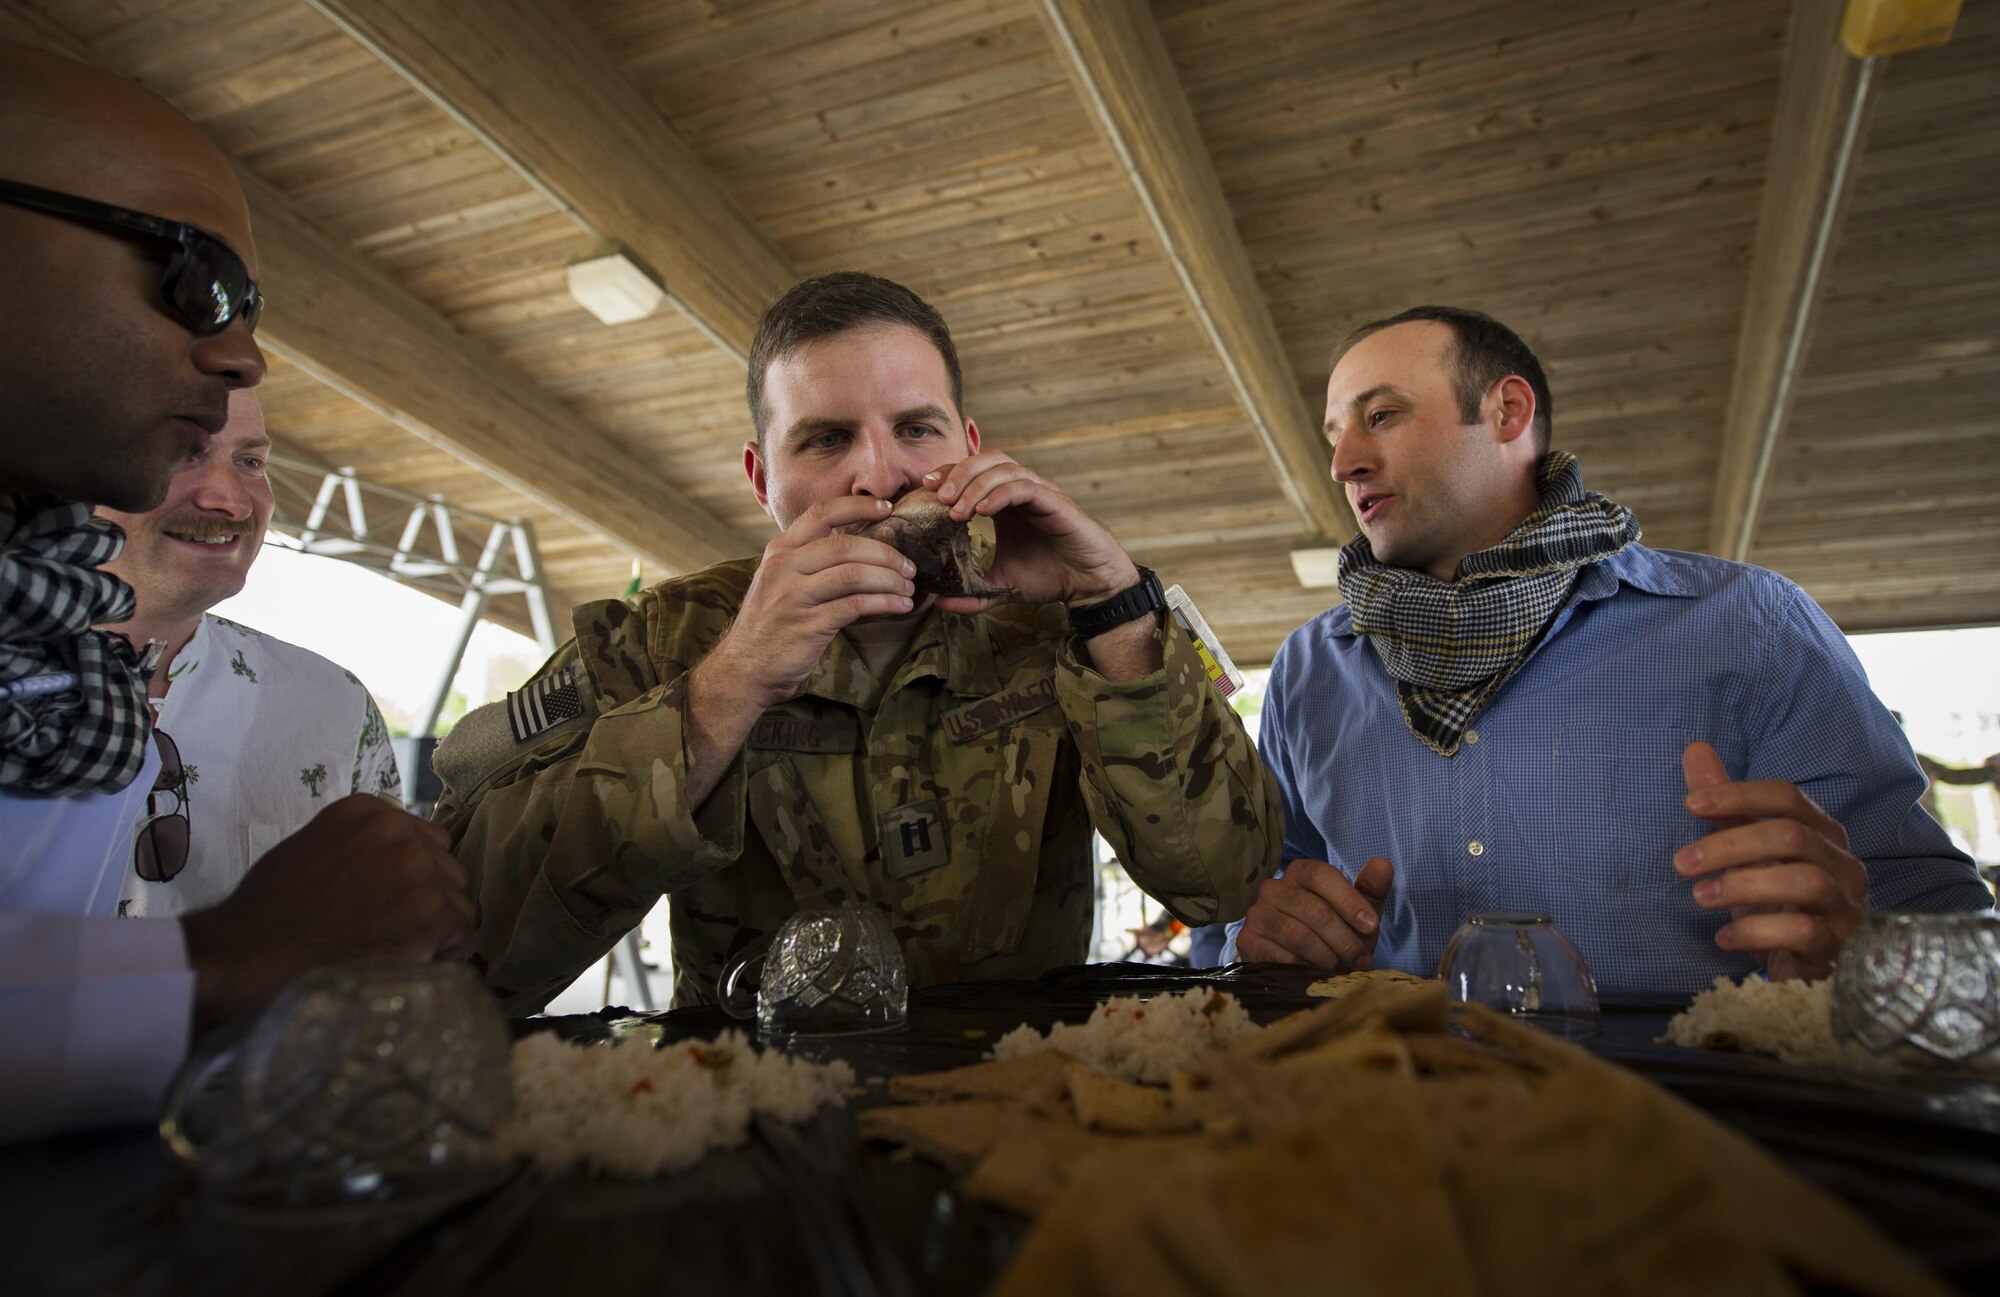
point(341, 318)
point(1126, 79)
point(1817, 134)
point(528, 79)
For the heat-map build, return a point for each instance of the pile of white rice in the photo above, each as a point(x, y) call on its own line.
point(1792, 1021)
point(1789, 1020)
point(1141, 1040)
point(627, 1108)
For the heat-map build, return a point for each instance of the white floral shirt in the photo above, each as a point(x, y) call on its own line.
point(270, 734)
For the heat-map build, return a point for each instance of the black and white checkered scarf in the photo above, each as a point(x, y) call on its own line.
point(90, 739)
point(1450, 645)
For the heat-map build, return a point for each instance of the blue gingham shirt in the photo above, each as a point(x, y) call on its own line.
point(1566, 797)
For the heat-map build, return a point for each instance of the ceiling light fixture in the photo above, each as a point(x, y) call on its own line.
point(615, 288)
point(1317, 565)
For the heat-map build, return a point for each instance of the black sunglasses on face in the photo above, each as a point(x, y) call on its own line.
point(206, 284)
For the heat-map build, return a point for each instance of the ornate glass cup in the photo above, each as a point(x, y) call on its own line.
point(1927, 981)
point(1518, 964)
point(830, 972)
point(363, 1081)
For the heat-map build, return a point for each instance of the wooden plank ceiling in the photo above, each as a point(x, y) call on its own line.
point(1594, 175)
point(1884, 498)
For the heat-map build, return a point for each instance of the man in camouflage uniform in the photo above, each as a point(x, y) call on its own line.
point(797, 730)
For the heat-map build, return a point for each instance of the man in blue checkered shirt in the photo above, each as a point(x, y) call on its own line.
point(1520, 707)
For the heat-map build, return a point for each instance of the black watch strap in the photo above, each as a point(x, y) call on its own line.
point(1127, 605)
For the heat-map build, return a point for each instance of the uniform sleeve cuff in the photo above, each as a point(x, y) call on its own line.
point(1158, 711)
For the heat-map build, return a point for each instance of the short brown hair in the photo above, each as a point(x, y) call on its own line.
point(830, 304)
point(1485, 352)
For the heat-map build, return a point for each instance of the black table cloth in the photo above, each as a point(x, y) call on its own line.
point(808, 1209)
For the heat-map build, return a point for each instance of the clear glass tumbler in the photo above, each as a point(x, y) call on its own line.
point(826, 972)
point(1517, 963)
point(360, 1082)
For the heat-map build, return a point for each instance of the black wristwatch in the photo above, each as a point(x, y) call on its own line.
point(1127, 605)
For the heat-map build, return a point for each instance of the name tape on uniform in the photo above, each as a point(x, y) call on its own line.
point(967, 723)
point(824, 735)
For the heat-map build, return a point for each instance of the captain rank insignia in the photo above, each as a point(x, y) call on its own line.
point(913, 839)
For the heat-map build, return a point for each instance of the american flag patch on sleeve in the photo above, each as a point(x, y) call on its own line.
point(540, 705)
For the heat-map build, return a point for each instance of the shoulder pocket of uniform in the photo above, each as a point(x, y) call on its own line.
point(611, 644)
point(481, 747)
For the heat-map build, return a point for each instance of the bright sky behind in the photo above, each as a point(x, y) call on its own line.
point(395, 639)
point(1931, 676)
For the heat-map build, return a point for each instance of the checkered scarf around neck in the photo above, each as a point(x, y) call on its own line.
point(1450, 645)
point(91, 739)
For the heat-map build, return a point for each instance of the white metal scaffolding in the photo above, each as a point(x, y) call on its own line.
point(422, 541)
point(352, 519)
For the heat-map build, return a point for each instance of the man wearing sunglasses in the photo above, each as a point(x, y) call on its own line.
point(127, 299)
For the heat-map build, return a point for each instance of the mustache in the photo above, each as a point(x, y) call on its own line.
point(194, 526)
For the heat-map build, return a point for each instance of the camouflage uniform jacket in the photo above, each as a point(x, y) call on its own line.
point(959, 798)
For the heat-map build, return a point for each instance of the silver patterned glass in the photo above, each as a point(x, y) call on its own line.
point(360, 1082)
point(1518, 964)
point(1930, 982)
point(826, 972)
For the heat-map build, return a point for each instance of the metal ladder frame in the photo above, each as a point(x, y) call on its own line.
point(349, 519)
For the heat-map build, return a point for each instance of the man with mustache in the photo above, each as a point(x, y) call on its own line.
point(268, 733)
point(1520, 707)
point(811, 728)
point(127, 302)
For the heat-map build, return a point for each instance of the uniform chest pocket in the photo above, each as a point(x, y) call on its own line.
point(797, 837)
point(1006, 790)
point(1619, 813)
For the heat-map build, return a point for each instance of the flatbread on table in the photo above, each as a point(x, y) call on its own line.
point(1107, 1103)
point(1029, 1175)
point(1363, 1146)
point(1038, 1078)
point(1402, 1005)
point(1015, 1155)
point(1264, 1217)
point(1341, 985)
point(1444, 1055)
point(956, 1135)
